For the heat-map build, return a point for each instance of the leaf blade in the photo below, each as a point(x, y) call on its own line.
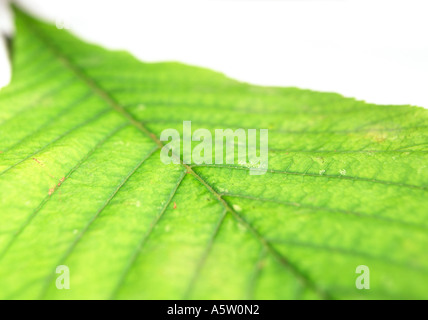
point(294, 223)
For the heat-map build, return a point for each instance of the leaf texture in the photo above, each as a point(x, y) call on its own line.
point(82, 184)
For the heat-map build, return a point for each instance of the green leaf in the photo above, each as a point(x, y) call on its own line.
point(82, 184)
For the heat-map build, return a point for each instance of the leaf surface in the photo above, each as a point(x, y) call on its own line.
point(82, 184)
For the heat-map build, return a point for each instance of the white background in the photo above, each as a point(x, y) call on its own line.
point(374, 50)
